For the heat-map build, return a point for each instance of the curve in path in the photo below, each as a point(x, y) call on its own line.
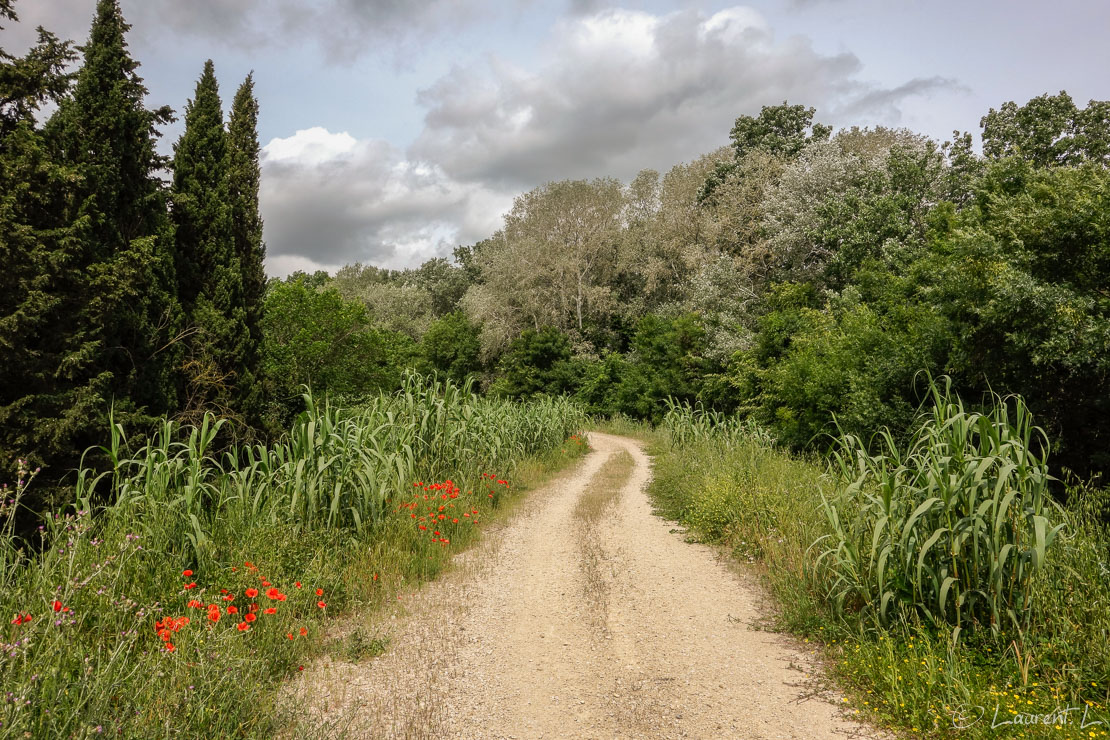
point(558, 627)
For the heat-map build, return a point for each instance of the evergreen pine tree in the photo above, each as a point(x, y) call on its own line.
point(34, 250)
point(121, 272)
point(246, 226)
point(210, 285)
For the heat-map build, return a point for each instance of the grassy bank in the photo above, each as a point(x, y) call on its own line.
point(188, 584)
point(918, 666)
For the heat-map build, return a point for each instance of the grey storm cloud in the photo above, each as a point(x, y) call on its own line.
point(884, 101)
point(623, 90)
point(343, 29)
point(337, 200)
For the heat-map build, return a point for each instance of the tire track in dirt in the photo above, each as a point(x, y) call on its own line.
point(510, 644)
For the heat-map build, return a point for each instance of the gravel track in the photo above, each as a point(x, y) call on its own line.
point(516, 641)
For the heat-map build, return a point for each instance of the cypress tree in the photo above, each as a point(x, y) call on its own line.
point(118, 206)
point(246, 227)
point(210, 285)
point(35, 244)
point(97, 314)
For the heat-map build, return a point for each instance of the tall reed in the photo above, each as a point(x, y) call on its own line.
point(335, 468)
point(954, 528)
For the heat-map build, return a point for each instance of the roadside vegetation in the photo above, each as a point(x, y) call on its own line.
point(202, 578)
point(948, 592)
point(945, 541)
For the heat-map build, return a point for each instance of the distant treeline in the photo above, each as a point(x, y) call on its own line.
point(798, 277)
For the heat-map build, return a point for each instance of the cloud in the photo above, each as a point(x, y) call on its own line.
point(885, 102)
point(620, 90)
point(331, 199)
point(343, 29)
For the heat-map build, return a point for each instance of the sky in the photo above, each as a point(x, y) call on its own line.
point(395, 130)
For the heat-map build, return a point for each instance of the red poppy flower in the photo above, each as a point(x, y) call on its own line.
point(266, 583)
point(254, 608)
point(273, 594)
point(214, 615)
point(304, 631)
point(194, 604)
point(233, 610)
point(281, 597)
point(290, 635)
point(321, 604)
point(319, 592)
point(190, 585)
point(251, 593)
point(57, 605)
point(250, 617)
point(297, 584)
point(271, 610)
point(242, 626)
point(169, 647)
point(375, 576)
point(186, 573)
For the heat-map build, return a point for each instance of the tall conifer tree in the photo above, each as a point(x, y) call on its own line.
point(210, 284)
point(246, 225)
point(119, 209)
point(35, 305)
point(109, 281)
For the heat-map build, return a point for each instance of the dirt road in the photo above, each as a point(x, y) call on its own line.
point(584, 617)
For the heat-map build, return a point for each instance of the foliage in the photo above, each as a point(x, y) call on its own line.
point(925, 680)
point(551, 264)
point(536, 363)
point(1049, 130)
point(316, 339)
point(852, 360)
point(1021, 276)
point(953, 529)
point(89, 310)
point(243, 177)
point(211, 576)
point(666, 362)
point(210, 280)
point(782, 130)
point(452, 346)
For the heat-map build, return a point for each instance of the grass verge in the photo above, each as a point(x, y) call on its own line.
point(765, 506)
point(590, 511)
point(123, 641)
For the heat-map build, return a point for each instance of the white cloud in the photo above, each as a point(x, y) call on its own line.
point(284, 265)
point(329, 199)
point(620, 90)
point(311, 147)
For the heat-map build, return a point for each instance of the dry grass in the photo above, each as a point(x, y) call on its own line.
point(590, 511)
